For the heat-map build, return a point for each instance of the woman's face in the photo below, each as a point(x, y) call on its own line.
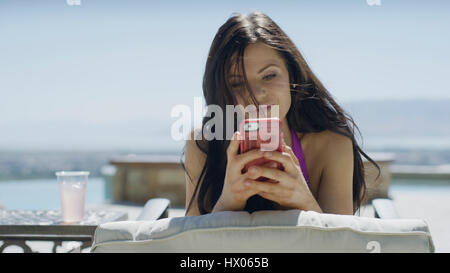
point(267, 76)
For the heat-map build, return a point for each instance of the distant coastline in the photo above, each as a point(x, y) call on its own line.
point(415, 130)
point(20, 165)
point(41, 164)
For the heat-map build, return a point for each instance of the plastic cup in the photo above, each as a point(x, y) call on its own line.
point(72, 191)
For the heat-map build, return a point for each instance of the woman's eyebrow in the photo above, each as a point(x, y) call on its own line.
point(261, 70)
point(265, 67)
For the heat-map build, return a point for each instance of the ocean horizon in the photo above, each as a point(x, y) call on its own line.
point(40, 162)
point(165, 145)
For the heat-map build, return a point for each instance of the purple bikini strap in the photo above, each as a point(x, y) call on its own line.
point(297, 149)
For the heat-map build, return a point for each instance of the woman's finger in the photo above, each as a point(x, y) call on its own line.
point(233, 147)
point(285, 158)
point(259, 187)
point(247, 157)
point(270, 164)
point(286, 148)
point(268, 196)
point(275, 174)
point(289, 150)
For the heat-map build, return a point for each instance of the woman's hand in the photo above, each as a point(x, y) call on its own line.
point(236, 191)
point(290, 189)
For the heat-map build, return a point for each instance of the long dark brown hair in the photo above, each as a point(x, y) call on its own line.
point(312, 107)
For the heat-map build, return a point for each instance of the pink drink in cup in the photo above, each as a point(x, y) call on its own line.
point(72, 190)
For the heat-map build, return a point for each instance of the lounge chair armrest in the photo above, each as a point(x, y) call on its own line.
point(384, 208)
point(154, 209)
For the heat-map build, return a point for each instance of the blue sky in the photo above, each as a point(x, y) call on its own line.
point(107, 73)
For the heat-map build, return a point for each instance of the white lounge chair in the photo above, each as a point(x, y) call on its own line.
point(264, 231)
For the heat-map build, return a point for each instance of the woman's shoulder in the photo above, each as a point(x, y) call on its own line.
point(330, 137)
point(327, 141)
point(196, 142)
point(195, 156)
point(195, 150)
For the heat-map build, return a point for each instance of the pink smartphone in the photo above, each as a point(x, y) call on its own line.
point(263, 134)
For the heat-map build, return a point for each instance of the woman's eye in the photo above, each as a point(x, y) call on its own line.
point(269, 77)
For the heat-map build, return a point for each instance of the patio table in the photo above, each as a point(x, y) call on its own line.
point(19, 226)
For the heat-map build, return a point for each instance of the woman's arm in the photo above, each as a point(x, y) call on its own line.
point(194, 162)
point(335, 194)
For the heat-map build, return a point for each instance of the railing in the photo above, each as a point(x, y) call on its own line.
point(441, 172)
point(137, 178)
point(378, 186)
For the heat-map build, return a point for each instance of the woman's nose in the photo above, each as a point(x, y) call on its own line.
point(260, 93)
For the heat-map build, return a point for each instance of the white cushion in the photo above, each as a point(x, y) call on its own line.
point(265, 231)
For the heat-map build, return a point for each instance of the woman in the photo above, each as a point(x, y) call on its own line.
point(252, 61)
